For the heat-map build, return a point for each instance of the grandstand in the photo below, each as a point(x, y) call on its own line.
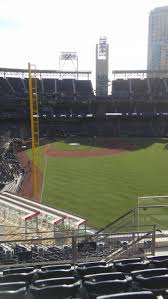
point(137, 106)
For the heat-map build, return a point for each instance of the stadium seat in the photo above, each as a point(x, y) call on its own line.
point(159, 261)
point(127, 261)
point(150, 272)
point(55, 291)
point(18, 270)
point(129, 267)
point(56, 267)
point(130, 295)
point(12, 290)
point(95, 289)
point(156, 283)
point(54, 281)
point(91, 264)
point(106, 276)
point(54, 274)
point(93, 270)
point(26, 277)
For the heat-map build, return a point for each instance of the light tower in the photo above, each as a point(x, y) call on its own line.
point(102, 58)
point(71, 57)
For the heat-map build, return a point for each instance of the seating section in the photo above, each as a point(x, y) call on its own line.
point(84, 89)
point(67, 89)
point(62, 281)
point(140, 89)
point(121, 89)
point(10, 168)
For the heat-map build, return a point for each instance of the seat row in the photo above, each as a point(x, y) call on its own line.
point(86, 280)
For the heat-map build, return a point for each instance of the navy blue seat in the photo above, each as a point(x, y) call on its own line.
point(95, 289)
point(92, 270)
point(155, 283)
point(128, 261)
point(150, 272)
point(54, 274)
point(56, 267)
point(159, 261)
point(18, 270)
point(130, 295)
point(91, 264)
point(106, 276)
point(129, 267)
point(54, 281)
point(55, 291)
point(13, 290)
point(26, 277)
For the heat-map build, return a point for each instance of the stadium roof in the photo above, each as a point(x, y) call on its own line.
point(139, 71)
point(15, 71)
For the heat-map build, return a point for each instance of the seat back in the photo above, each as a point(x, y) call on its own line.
point(91, 264)
point(12, 290)
point(150, 272)
point(26, 277)
point(54, 274)
point(18, 270)
point(127, 268)
point(127, 261)
point(105, 276)
point(94, 270)
point(54, 281)
point(130, 295)
point(153, 283)
point(108, 287)
point(55, 291)
point(56, 267)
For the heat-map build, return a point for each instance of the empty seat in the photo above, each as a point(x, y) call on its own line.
point(130, 295)
point(56, 267)
point(93, 270)
point(155, 283)
point(150, 272)
point(54, 274)
point(105, 287)
point(13, 290)
point(159, 261)
point(58, 291)
point(128, 261)
point(54, 281)
point(129, 267)
point(18, 270)
point(26, 277)
point(105, 276)
point(92, 264)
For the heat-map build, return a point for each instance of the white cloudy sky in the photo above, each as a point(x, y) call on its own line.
point(38, 30)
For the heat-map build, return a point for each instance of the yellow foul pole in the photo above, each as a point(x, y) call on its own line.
point(32, 132)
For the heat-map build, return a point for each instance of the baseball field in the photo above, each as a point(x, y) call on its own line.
point(101, 178)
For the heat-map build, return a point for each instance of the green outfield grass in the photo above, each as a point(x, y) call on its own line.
point(103, 188)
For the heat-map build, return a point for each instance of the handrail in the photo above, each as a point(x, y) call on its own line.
point(116, 220)
point(128, 213)
point(114, 254)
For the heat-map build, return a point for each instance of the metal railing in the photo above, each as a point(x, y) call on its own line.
point(71, 247)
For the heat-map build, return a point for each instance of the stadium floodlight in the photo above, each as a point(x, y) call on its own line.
point(71, 57)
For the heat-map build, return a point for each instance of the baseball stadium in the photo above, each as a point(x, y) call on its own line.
point(83, 182)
